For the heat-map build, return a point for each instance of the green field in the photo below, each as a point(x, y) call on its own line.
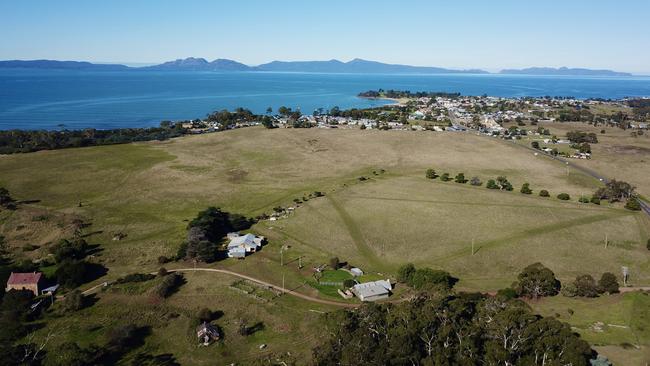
point(149, 191)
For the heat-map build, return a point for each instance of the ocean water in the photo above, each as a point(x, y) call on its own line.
point(47, 99)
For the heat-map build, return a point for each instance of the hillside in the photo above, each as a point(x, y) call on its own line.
point(149, 191)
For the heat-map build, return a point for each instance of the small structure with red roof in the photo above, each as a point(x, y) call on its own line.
point(32, 281)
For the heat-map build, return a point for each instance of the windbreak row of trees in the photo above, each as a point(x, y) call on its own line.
point(19, 141)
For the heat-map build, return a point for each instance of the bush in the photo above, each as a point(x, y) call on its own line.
point(608, 283)
point(586, 286)
point(135, 277)
point(431, 174)
point(537, 281)
point(427, 278)
point(334, 263)
point(460, 178)
point(544, 193)
point(569, 290)
point(73, 301)
point(647, 244)
point(205, 315)
point(535, 145)
point(584, 199)
point(405, 272)
point(563, 196)
point(633, 204)
point(72, 273)
point(445, 177)
point(168, 285)
point(162, 271)
point(349, 283)
point(163, 259)
point(475, 181)
point(595, 200)
point(491, 184)
point(507, 293)
point(525, 189)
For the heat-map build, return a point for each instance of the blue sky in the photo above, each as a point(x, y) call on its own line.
point(460, 34)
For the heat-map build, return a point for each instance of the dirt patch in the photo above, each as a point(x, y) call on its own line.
point(316, 146)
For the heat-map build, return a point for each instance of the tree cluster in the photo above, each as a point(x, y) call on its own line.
point(579, 137)
point(425, 278)
point(23, 141)
point(206, 232)
point(463, 329)
point(586, 286)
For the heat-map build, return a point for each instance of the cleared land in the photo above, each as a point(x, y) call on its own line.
point(148, 191)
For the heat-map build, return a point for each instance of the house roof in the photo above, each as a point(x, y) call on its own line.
point(376, 288)
point(30, 278)
point(248, 240)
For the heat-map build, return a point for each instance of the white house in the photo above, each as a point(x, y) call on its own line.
point(241, 244)
point(372, 291)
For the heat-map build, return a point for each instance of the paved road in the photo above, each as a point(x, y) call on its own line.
point(645, 207)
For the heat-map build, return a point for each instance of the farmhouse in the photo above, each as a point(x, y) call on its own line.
point(32, 281)
point(372, 291)
point(241, 244)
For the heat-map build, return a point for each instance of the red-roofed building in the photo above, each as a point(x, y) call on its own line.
point(25, 281)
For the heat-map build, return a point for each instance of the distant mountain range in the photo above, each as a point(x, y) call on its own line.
point(563, 71)
point(332, 66)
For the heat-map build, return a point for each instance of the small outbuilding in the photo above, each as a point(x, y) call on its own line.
point(373, 291)
point(32, 281)
point(207, 333)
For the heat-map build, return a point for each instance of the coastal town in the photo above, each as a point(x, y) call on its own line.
point(497, 117)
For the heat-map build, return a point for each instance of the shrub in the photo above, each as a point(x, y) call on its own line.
point(608, 283)
point(431, 174)
point(537, 281)
point(349, 283)
point(162, 272)
point(135, 277)
point(168, 285)
point(507, 293)
point(475, 181)
point(205, 315)
point(535, 145)
point(647, 244)
point(503, 183)
point(595, 200)
point(163, 259)
point(445, 177)
point(405, 272)
point(73, 301)
point(584, 199)
point(334, 262)
point(525, 189)
point(460, 178)
point(569, 290)
point(586, 286)
point(633, 204)
point(427, 278)
point(563, 196)
point(544, 193)
point(491, 184)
